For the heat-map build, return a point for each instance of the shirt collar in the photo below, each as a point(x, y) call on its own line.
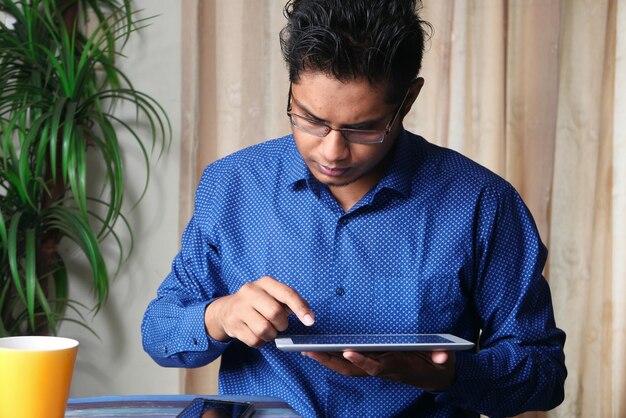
point(296, 170)
point(400, 171)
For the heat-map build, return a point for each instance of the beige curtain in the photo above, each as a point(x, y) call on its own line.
point(534, 89)
point(234, 94)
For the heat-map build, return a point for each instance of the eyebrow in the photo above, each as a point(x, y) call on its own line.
point(358, 125)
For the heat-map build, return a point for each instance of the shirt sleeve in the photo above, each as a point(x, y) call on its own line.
point(519, 365)
point(173, 330)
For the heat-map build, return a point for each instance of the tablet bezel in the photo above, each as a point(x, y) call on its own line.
point(285, 343)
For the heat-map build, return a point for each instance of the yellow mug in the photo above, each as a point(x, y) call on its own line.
point(36, 373)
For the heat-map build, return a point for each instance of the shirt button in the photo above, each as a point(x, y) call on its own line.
point(343, 221)
point(340, 291)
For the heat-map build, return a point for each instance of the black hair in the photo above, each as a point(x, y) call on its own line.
point(380, 40)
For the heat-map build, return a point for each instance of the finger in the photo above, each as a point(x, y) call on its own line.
point(264, 304)
point(289, 297)
point(262, 327)
point(249, 337)
point(287, 309)
point(369, 365)
point(336, 363)
point(439, 357)
point(353, 357)
point(248, 325)
point(276, 313)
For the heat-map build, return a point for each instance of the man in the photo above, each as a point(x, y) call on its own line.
point(354, 225)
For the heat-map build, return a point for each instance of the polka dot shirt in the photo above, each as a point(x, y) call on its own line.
point(440, 245)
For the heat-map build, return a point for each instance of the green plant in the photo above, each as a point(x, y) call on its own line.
point(59, 88)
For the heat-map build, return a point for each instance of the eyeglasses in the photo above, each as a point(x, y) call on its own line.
point(356, 136)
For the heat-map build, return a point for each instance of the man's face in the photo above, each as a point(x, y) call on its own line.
point(345, 167)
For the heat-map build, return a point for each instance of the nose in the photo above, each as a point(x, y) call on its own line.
point(334, 147)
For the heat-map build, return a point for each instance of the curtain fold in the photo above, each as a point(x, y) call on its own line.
point(534, 90)
point(197, 53)
point(581, 242)
point(618, 235)
point(234, 95)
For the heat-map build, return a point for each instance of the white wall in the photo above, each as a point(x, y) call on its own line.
point(115, 364)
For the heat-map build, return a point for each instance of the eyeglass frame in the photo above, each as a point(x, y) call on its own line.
point(383, 133)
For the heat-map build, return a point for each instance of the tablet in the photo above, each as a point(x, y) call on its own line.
point(372, 342)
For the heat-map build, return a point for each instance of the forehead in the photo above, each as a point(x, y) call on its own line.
point(322, 95)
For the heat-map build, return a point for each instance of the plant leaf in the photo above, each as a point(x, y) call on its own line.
point(31, 274)
point(13, 241)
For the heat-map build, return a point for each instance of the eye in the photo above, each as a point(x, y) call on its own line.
point(370, 126)
point(311, 122)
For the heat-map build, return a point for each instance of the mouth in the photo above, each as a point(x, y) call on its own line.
point(332, 171)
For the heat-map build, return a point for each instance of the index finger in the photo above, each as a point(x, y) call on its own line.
point(290, 298)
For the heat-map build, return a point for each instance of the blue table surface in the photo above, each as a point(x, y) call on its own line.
point(162, 406)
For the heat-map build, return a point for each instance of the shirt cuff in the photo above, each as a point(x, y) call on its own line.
point(194, 335)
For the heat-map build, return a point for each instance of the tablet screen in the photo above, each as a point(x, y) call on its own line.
point(370, 339)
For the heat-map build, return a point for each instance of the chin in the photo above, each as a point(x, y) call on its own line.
point(339, 182)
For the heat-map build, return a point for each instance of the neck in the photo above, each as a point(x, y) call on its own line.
point(349, 194)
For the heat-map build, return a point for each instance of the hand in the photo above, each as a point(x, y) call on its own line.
point(256, 313)
point(432, 371)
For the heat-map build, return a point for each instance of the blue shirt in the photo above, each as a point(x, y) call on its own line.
point(440, 245)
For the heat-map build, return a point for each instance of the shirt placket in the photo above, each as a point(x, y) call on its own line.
point(339, 282)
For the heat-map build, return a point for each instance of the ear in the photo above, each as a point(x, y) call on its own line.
point(414, 91)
